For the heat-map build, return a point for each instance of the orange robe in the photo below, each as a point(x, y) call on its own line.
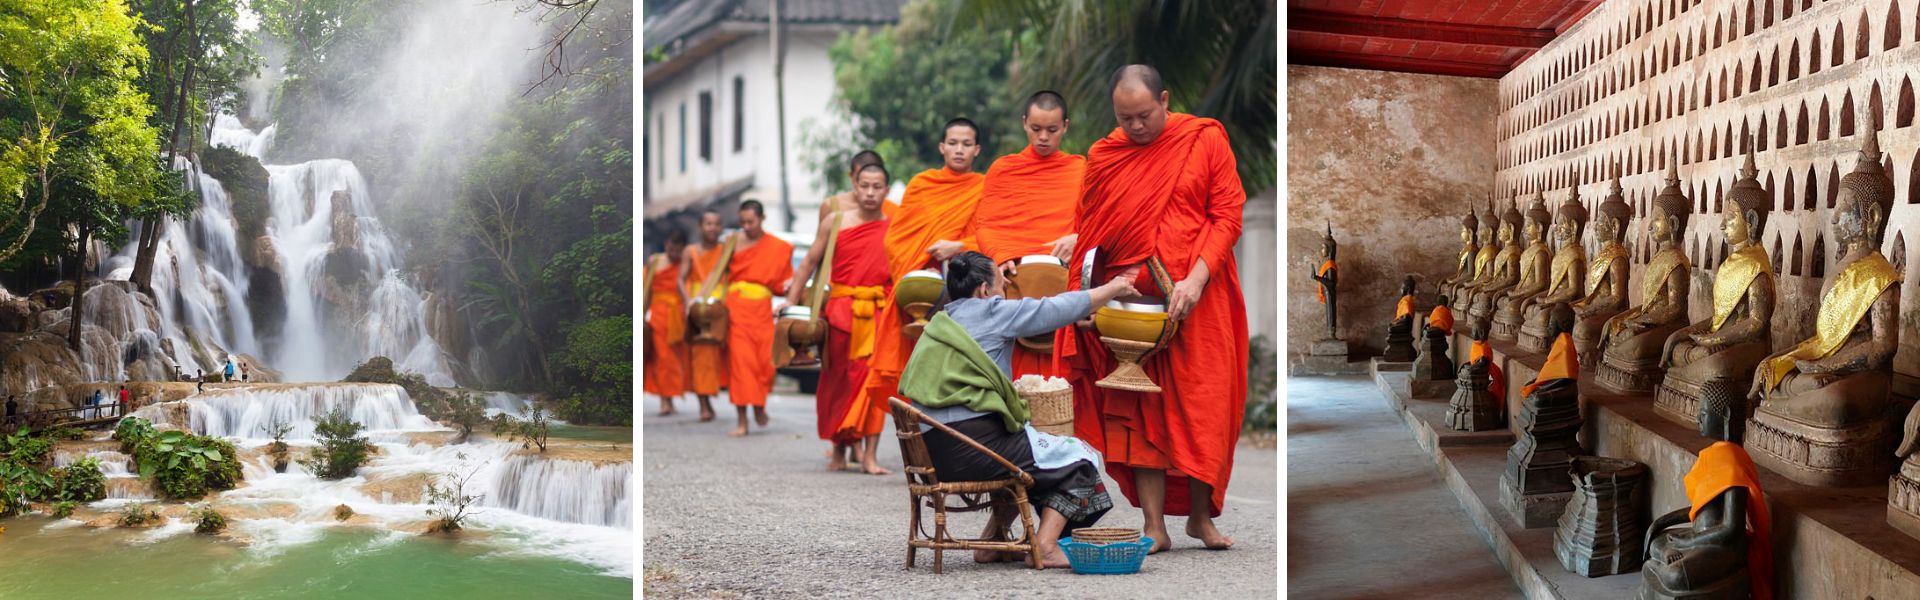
point(1028, 202)
point(938, 205)
point(859, 285)
point(1441, 318)
point(757, 273)
point(1404, 308)
point(1320, 291)
point(1496, 378)
point(1562, 363)
point(666, 359)
point(1723, 466)
point(707, 363)
point(1178, 199)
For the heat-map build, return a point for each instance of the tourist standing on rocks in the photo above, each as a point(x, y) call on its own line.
point(200, 383)
point(126, 399)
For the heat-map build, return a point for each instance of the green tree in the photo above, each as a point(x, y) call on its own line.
point(902, 83)
point(1218, 59)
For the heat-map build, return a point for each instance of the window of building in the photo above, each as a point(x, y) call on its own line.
point(683, 137)
point(739, 114)
point(706, 127)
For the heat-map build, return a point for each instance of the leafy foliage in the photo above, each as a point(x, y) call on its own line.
point(187, 466)
point(21, 480)
point(530, 432)
point(599, 354)
point(131, 431)
point(379, 369)
point(448, 501)
point(23, 447)
point(81, 481)
point(341, 450)
point(467, 413)
point(138, 514)
point(64, 508)
point(207, 520)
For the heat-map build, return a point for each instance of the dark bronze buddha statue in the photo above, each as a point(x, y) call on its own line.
point(1400, 329)
point(1724, 549)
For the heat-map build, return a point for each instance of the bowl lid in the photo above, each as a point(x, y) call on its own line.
point(924, 274)
point(1138, 304)
point(1041, 259)
point(796, 311)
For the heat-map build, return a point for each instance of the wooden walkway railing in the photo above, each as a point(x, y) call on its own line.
point(73, 417)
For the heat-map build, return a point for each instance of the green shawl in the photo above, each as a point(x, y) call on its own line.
point(948, 368)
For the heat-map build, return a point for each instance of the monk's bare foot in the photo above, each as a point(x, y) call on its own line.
point(760, 416)
point(740, 431)
point(1161, 543)
point(1208, 534)
point(988, 556)
point(706, 414)
point(666, 410)
point(873, 468)
point(1054, 558)
point(836, 460)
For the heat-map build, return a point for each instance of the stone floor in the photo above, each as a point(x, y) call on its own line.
point(761, 518)
point(1366, 509)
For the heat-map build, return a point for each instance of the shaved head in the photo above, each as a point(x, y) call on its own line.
point(1046, 100)
point(1141, 75)
point(1139, 103)
point(864, 159)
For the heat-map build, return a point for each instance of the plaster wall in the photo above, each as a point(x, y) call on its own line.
point(1392, 160)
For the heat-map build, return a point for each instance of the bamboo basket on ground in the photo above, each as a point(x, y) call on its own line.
point(1106, 535)
point(1051, 410)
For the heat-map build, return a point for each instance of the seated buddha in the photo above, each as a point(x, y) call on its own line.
point(1567, 274)
point(1466, 266)
point(1606, 290)
point(1631, 341)
point(1730, 342)
point(1826, 412)
point(1487, 237)
point(1505, 272)
point(1534, 268)
point(1725, 549)
point(1400, 329)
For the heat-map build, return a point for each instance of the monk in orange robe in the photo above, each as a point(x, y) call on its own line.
point(849, 201)
point(1163, 186)
point(665, 364)
point(935, 223)
point(1028, 203)
point(706, 362)
point(761, 267)
point(859, 283)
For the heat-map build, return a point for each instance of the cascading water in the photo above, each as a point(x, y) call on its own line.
point(338, 271)
point(250, 414)
point(563, 490)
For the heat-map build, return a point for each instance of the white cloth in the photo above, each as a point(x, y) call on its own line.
point(1055, 451)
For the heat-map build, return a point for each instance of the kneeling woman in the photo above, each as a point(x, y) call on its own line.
point(960, 374)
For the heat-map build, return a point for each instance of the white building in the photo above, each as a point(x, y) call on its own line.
point(712, 124)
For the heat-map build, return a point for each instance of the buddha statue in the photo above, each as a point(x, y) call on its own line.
point(1535, 486)
point(1400, 330)
point(1479, 398)
point(1567, 274)
point(1725, 549)
point(1327, 277)
point(1731, 342)
point(1534, 272)
point(1606, 290)
point(1826, 415)
point(1464, 266)
point(1631, 341)
point(1505, 272)
point(1490, 246)
point(1433, 363)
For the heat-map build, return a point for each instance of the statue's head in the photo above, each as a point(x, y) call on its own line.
point(1560, 319)
point(1614, 215)
point(1723, 414)
point(1444, 301)
point(1510, 223)
point(1406, 286)
point(1489, 225)
point(1570, 220)
point(1671, 209)
point(1469, 225)
point(1538, 219)
point(1866, 196)
point(1746, 213)
point(1329, 248)
point(1478, 331)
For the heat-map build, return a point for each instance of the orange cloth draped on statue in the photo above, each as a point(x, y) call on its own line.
point(1723, 466)
point(859, 269)
point(938, 205)
point(1320, 291)
point(1028, 203)
point(665, 364)
point(1178, 199)
point(757, 273)
point(1562, 363)
point(1404, 308)
point(1496, 378)
point(1441, 318)
point(707, 363)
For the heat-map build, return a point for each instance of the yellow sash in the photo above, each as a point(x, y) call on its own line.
point(1841, 309)
point(1602, 263)
point(1465, 263)
point(1652, 288)
point(1483, 261)
point(1735, 276)
point(866, 302)
point(1565, 264)
point(750, 290)
point(1528, 259)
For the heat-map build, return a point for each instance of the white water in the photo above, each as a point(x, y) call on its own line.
point(574, 510)
point(201, 281)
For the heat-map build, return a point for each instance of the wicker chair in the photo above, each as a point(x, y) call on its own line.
point(925, 488)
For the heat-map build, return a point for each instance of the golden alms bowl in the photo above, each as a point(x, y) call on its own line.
point(915, 293)
point(1039, 276)
point(709, 319)
point(1132, 328)
point(803, 332)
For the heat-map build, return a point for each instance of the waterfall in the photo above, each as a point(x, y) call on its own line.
point(249, 413)
point(344, 296)
point(507, 403)
point(112, 463)
point(562, 490)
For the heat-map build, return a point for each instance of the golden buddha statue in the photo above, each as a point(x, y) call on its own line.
point(1606, 290)
point(1731, 342)
point(1567, 274)
point(1505, 272)
point(1826, 415)
point(1464, 266)
point(1489, 224)
point(1535, 274)
point(1631, 341)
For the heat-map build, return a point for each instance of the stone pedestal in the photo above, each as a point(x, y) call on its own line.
point(1603, 529)
point(1855, 456)
point(1472, 408)
point(1538, 479)
point(1532, 511)
point(1506, 320)
point(1433, 390)
point(1433, 365)
point(1629, 376)
point(1903, 497)
point(1400, 343)
point(1327, 357)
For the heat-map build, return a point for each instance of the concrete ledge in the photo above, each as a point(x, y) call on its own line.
point(1432, 413)
point(1828, 542)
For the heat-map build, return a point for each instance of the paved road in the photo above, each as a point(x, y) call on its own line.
point(761, 518)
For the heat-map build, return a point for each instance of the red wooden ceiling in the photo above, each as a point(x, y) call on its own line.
point(1469, 38)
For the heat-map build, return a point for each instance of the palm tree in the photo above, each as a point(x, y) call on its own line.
point(1219, 59)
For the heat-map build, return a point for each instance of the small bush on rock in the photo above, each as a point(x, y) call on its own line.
point(341, 450)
